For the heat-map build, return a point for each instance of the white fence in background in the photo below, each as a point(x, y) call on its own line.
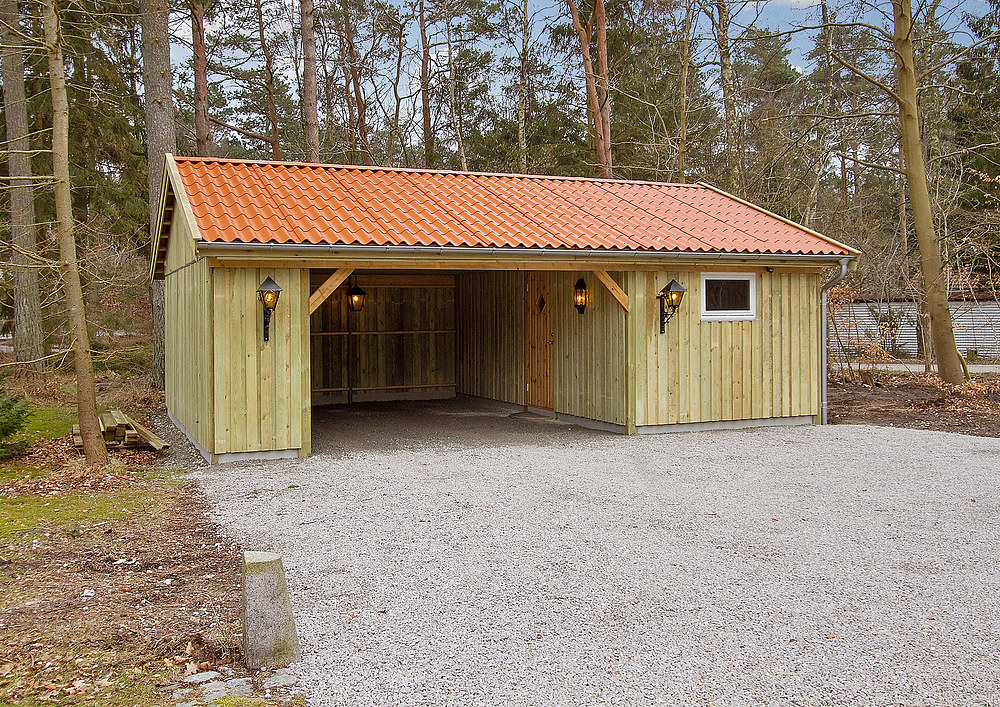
point(861, 324)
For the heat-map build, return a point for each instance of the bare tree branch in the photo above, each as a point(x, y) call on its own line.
point(873, 165)
point(867, 77)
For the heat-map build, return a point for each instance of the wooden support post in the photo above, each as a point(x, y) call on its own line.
point(617, 292)
point(326, 289)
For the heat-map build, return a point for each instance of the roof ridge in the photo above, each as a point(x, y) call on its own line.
point(427, 170)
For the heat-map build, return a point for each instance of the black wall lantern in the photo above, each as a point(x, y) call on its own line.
point(670, 299)
point(268, 293)
point(580, 295)
point(356, 298)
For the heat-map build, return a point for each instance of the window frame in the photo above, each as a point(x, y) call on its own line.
point(729, 315)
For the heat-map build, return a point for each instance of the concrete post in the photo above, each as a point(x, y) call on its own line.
point(269, 637)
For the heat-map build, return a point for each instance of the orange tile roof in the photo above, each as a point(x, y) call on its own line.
point(280, 202)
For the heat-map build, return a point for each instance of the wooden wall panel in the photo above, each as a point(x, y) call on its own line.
point(188, 336)
point(589, 355)
point(401, 344)
point(489, 313)
point(707, 371)
point(261, 393)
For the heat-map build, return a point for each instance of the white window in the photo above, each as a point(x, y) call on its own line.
point(728, 296)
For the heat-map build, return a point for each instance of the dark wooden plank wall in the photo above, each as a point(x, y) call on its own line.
point(401, 345)
point(490, 317)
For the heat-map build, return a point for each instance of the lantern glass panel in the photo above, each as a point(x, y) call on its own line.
point(356, 298)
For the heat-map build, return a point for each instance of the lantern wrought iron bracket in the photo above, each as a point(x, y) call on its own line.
point(670, 299)
point(268, 292)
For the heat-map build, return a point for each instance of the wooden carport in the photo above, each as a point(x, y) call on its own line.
point(490, 319)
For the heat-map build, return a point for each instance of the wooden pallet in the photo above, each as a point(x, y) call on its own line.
point(120, 430)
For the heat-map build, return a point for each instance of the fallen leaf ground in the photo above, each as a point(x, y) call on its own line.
point(113, 583)
point(918, 401)
point(105, 608)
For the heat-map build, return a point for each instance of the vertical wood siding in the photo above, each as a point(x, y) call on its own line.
point(589, 365)
point(489, 313)
point(261, 388)
point(401, 344)
point(701, 371)
point(188, 336)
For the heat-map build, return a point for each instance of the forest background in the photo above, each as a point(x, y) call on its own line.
point(801, 117)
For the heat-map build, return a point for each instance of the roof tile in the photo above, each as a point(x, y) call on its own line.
point(274, 202)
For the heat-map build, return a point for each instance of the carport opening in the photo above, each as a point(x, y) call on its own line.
point(433, 336)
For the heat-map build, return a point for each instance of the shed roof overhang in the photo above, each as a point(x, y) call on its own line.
point(473, 258)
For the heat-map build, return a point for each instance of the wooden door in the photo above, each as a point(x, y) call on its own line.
point(539, 336)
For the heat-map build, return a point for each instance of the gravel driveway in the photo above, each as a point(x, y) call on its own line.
point(446, 554)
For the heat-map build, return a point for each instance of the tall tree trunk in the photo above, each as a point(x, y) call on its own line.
point(904, 226)
point(400, 47)
point(685, 70)
point(603, 83)
point(272, 108)
point(597, 85)
point(352, 122)
point(86, 397)
point(203, 144)
point(935, 283)
point(354, 84)
point(722, 23)
point(822, 131)
point(456, 122)
point(28, 345)
point(310, 115)
point(157, 81)
point(425, 87)
point(522, 90)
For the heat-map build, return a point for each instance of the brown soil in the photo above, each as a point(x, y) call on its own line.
point(164, 598)
point(109, 612)
point(918, 401)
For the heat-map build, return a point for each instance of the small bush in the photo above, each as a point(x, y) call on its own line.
point(13, 415)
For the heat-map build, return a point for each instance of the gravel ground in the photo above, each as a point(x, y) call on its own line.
point(446, 554)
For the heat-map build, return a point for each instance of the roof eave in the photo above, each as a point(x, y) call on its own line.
point(460, 253)
point(157, 230)
point(182, 208)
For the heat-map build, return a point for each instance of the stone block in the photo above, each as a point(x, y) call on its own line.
point(239, 687)
point(269, 636)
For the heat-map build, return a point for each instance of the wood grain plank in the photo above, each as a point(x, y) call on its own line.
point(613, 287)
point(327, 288)
point(785, 324)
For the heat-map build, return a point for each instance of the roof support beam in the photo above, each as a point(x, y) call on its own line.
point(616, 291)
point(326, 289)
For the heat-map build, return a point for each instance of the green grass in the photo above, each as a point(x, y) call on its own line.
point(48, 422)
point(20, 472)
point(26, 516)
